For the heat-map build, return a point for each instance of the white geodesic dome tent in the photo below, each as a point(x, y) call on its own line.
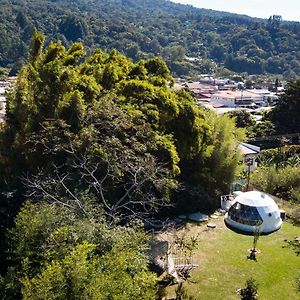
point(253, 211)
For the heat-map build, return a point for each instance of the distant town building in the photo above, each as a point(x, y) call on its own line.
point(234, 98)
point(200, 90)
point(245, 98)
point(224, 95)
point(4, 85)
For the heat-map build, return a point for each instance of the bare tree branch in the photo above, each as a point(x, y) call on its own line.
point(128, 183)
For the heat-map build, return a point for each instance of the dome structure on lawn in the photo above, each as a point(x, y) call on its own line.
point(253, 211)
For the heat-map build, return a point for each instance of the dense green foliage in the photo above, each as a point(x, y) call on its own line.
point(285, 115)
point(283, 183)
point(103, 141)
point(264, 128)
point(96, 141)
point(242, 118)
point(279, 173)
point(149, 28)
point(60, 253)
point(117, 130)
point(288, 155)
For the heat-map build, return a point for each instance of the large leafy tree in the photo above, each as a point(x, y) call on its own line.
point(209, 172)
point(62, 253)
point(242, 118)
point(285, 115)
point(78, 115)
point(112, 127)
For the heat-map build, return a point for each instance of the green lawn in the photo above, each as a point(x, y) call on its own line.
point(224, 267)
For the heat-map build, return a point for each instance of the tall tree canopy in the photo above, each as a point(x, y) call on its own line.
point(115, 128)
point(62, 253)
point(285, 115)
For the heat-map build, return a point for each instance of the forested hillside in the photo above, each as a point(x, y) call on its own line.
point(143, 29)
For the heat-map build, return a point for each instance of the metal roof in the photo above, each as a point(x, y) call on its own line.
point(248, 149)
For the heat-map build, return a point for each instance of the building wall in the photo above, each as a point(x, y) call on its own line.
point(230, 102)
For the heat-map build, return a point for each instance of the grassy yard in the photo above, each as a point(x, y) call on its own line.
point(224, 267)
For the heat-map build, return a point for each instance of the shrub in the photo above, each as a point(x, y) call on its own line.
point(250, 291)
point(283, 183)
point(295, 216)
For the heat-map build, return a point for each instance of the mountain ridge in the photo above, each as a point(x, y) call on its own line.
point(143, 29)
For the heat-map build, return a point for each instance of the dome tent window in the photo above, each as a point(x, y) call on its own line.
point(245, 214)
point(252, 209)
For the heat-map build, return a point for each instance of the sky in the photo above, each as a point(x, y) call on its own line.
point(288, 9)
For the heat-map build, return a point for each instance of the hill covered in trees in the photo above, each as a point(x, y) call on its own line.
point(148, 28)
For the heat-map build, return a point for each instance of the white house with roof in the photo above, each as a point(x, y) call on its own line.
point(263, 97)
point(200, 90)
point(233, 98)
point(245, 98)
